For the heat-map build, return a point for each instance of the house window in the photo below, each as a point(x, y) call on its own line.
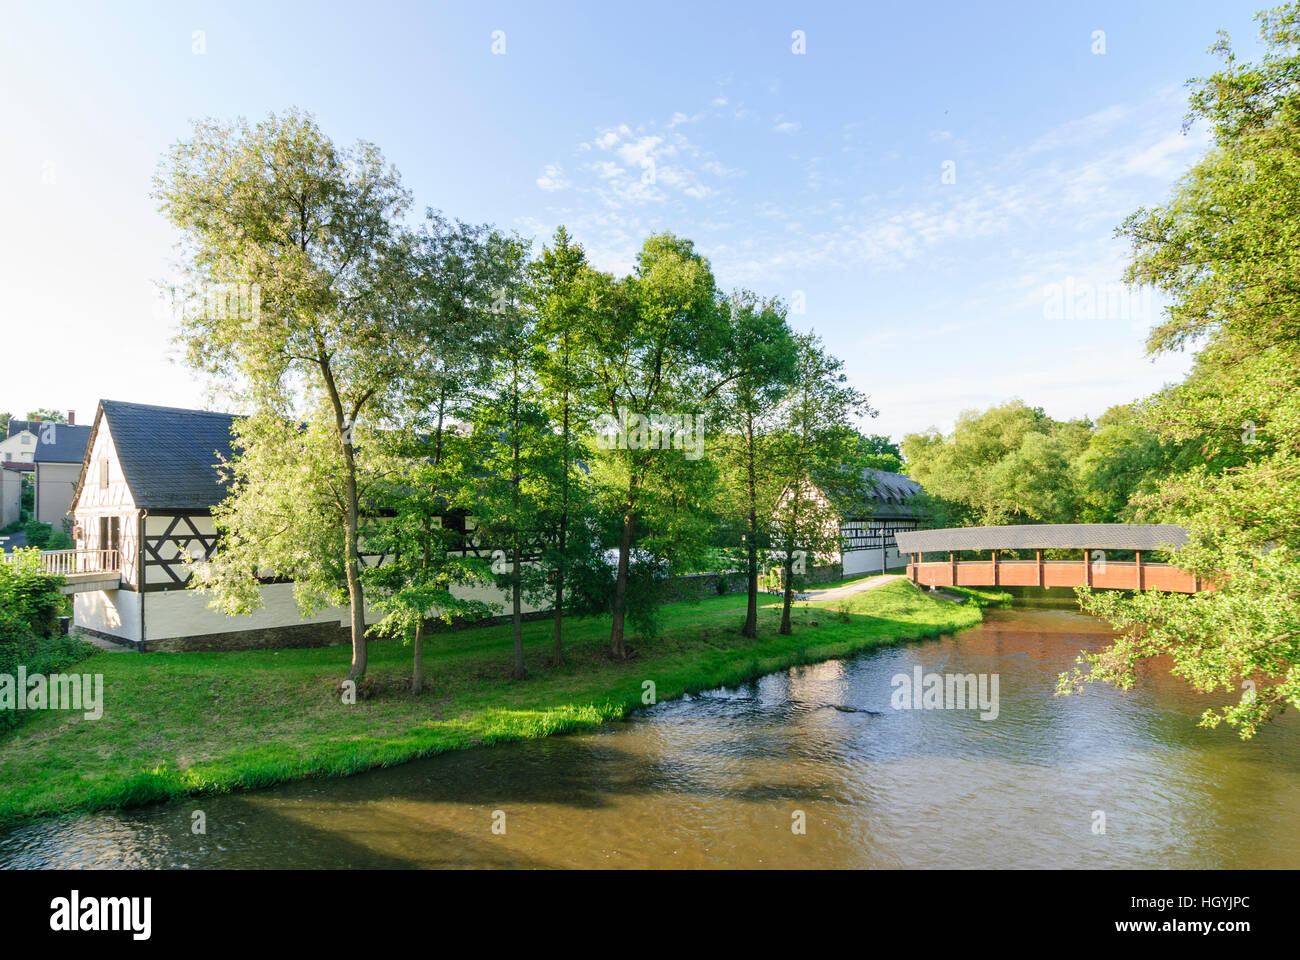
point(103, 474)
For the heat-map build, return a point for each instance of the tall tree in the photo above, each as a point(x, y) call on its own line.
point(514, 454)
point(654, 353)
point(422, 556)
point(562, 287)
point(763, 357)
point(1226, 250)
point(308, 232)
point(814, 455)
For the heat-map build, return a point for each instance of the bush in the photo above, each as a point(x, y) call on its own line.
point(30, 605)
point(38, 534)
point(59, 541)
point(22, 646)
point(29, 595)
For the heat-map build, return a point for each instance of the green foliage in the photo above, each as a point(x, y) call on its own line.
point(1009, 464)
point(312, 236)
point(1226, 249)
point(47, 415)
point(877, 452)
point(38, 534)
point(30, 605)
point(813, 456)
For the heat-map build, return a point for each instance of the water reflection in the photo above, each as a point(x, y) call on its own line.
point(714, 780)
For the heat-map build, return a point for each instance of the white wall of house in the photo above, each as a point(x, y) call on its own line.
point(185, 613)
point(11, 493)
point(872, 560)
point(114, 612)
point(21, 447)
point(104, 494)
point(55, 485)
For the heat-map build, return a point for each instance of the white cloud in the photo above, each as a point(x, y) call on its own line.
point(552, 179)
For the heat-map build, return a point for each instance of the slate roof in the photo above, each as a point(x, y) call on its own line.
point(1045, 536)
point(168, 454)
point(892, 493)
point(55, 442)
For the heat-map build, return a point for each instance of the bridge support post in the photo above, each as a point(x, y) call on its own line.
point(996, 569)
point(1087, 569)
point(1038, 557)
point(1138, 554)
point(952, 567)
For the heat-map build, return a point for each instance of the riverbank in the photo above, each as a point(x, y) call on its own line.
point(183, 724)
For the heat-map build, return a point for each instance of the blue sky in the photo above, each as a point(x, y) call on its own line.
point(819, 177)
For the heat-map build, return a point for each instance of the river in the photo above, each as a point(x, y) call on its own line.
point(725, 779)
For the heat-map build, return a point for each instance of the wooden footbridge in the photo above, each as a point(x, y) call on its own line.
point(1092, 569)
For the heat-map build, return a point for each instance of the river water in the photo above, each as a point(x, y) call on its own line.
point(724, 779)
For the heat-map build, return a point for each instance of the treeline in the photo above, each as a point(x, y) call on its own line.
point(404, 381)
point(1013, 463)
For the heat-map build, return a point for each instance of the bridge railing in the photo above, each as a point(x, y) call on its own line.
point(1105, 575)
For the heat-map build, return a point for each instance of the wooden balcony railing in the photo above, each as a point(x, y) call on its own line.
point(69, 562)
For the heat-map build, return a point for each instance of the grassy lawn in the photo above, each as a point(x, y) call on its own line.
point(183, 723)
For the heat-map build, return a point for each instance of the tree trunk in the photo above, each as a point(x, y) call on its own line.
point(518, 617)
point(788, 567)
point(750, 629)
point(356, 597)
point(417, 679)
point(616, 647)
point(557, 650)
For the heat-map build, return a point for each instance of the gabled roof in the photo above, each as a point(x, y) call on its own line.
point(55, 442)
point(168, 454)
point(892, 487)
point(891, 493)
point(1046, 536)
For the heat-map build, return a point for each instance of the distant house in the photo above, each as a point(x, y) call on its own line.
point(55, 451)
point(147, 486)
point(11, 490)
point(867, 529)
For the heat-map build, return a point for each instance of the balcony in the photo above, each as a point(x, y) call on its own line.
point(83, 570)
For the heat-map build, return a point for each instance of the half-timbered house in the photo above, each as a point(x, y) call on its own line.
point(867, 528)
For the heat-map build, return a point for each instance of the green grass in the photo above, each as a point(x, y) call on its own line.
point(178, 724)
point(983, 598)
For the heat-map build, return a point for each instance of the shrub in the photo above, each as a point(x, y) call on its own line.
point(38, 534)
point(30, 604)
point(22, 646)
point(28, 594)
